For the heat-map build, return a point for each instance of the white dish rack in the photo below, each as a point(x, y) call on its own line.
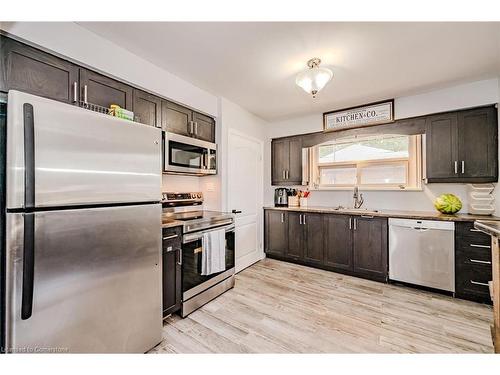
point(481, 200)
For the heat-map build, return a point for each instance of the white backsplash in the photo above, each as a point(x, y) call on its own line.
point(173, 183)
point(391, 200)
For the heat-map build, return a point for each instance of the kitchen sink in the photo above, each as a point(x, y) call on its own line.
point(361, 210)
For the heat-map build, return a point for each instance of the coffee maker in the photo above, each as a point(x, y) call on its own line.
point(281, 197)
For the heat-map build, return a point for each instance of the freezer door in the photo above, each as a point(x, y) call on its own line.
point(96, 280)
point(62, 155)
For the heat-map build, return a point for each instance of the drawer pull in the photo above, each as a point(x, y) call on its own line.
point(474, 230)
point(478, 283)
point(481, 246)
point(480, 261)
point(171, 237)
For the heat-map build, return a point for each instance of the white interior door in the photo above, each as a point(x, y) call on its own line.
point(245, 194)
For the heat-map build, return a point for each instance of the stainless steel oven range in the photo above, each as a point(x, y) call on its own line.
point(199, 288)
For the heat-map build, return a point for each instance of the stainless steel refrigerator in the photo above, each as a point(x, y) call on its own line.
point(82, 230)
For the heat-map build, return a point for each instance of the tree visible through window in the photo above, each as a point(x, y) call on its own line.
point(387, 161)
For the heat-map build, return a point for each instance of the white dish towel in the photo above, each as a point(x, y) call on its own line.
point(213, 255)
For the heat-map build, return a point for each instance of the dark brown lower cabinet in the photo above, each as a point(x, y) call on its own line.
point(338, 242)
point(276, 232)
point(473, 268)
point(356, 245)
point(313, 239)
point(295, 249)
point(370, 247)
point(171, 270)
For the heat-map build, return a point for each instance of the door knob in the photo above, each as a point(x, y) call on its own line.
point(236, 211)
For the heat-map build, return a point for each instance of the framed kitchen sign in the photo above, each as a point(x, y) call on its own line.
point(357, 117)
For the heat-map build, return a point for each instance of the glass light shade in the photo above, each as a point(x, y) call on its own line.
point(313, 80)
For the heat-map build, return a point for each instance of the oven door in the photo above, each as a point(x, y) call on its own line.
point(193, 282)
point(188, 155)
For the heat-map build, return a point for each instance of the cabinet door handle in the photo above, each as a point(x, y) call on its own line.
point(350, 223)
point(355, 224)
point(75, 92)
point(300, 219)
point(196, 128)
point(282, 217)
point(478, 283)
point(284, 175)
point(479, 261)
point(463, 166)
point(85, 101)
point(481, 246)
point(179, 254)
point(170, 236)
point(304, 219)
point(190, 127)
point(456, 167)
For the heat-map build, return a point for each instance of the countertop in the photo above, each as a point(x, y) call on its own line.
point(425, 215)
point(168, 222)
point(489, 227)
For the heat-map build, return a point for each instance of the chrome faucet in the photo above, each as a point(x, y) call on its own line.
point(358, 198)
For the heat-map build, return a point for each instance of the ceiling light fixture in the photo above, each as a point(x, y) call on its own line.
point(315, 78)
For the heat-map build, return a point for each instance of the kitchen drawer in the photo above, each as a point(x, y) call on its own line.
point(172, 238)
point(466, 233)
point(471, 282)
point(473, 255)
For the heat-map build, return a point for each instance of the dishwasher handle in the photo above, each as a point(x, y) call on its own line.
point(421, 229)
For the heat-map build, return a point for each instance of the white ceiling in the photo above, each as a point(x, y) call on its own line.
point(255, 64)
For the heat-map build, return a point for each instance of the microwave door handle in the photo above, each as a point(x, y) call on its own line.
point(207, 158)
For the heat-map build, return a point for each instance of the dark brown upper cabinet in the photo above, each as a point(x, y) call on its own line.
point(478, 144)
point(147, 108)
point(276, 235)
point(33, 71)
point(370, 247)
point(462, 146)
point(286, 159)
point(338, 242)
point(204, 127)
point(181, 120)
point(177, 119)
point(104, 91)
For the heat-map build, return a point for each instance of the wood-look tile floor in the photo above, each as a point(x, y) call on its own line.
point(279, 307)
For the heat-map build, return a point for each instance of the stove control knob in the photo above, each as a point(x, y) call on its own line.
point(199, 195)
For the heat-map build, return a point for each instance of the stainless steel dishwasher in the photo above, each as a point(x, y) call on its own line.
point(422, 252)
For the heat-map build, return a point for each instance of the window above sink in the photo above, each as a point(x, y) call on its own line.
point(382, 162)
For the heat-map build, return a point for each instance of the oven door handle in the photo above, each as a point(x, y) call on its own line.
point(190, 237)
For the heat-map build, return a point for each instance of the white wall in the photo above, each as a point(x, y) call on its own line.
point(452, 98)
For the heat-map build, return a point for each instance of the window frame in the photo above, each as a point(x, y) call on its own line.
point(413, 180)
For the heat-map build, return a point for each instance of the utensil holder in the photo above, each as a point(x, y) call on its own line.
point(293, 201)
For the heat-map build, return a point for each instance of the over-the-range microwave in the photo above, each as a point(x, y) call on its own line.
point(186, 155)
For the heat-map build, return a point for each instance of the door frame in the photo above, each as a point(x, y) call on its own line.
point(260, 213)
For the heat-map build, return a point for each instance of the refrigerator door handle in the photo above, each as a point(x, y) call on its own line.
point(29, 156)
point(28, 266)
